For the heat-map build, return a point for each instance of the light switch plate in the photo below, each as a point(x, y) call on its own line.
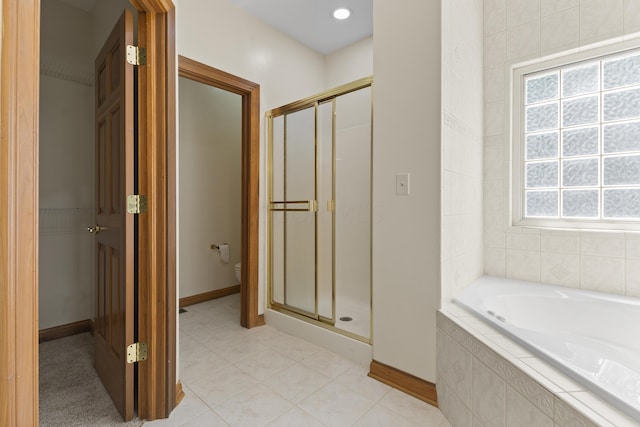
point(402, 184)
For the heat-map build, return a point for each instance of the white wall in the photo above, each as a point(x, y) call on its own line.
point(104, 15)
point(517, 30)
point(406, 229)
point(462, 245)
point(210, 139)
point(350, 63)
point(66, 166)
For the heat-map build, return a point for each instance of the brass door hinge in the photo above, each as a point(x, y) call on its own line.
point(136, 204)
point(136, 55)
point(136, 352)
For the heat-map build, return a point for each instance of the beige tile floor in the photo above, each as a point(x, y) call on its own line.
point(262, 377)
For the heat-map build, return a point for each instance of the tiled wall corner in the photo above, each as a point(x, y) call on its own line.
point(462, 143)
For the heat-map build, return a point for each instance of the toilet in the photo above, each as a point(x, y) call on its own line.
point(237, 270)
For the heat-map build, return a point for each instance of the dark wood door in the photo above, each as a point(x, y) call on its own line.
point(114, 323)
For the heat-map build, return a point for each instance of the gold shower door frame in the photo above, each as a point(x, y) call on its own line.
point(311, 205)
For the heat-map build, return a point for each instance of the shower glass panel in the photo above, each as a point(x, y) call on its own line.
point(300, 186)
point(353, 211)
point(277, 215)
point(320, 209)
point(325, 211)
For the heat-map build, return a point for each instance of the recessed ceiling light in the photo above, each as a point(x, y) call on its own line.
point(341, 13)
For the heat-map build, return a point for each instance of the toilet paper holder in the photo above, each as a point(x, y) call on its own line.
point(216, 247)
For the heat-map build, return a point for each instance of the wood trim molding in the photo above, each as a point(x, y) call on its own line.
point(416, 387)
point(208, 296)
point(157, 227)
point(250, 93)
point(19, 86)
point(179, 393)
point(66, 330)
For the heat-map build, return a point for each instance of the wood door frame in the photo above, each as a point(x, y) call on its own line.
point(157, 294)
point(250, 93)
point(19, 89)
point(19, 97)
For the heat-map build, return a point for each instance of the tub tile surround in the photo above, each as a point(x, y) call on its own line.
point(592, 260)
point(519, 30)
point(485, 379)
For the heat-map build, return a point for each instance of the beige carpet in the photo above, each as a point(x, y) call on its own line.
point(71, 393)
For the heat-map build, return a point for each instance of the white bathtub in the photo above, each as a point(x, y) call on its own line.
point(590, 336)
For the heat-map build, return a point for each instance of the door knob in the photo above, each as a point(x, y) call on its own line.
point(96, 229)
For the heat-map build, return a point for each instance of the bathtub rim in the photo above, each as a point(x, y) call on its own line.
point(541, 353)
point(551, 380)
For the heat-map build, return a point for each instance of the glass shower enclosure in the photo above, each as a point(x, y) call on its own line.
point(320, 209)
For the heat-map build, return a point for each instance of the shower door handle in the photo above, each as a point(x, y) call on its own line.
point(312, 206)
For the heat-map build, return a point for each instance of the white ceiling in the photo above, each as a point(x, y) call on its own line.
point(308, 21)
point(311, 23)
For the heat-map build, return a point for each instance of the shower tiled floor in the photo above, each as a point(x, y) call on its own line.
point(262, 377)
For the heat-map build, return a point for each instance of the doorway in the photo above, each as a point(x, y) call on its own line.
point(209, 183)
point(250, 157)
point(158, 391)
point(86, 171)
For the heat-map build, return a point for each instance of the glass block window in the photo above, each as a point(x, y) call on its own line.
point(580, 136)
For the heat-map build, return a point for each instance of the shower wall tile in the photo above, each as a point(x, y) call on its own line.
point(488, 395)
point(521, 11)
point(560, 31)
point(494, 195)
point(495, 16)
point(523, 241)
point(631, 16)
point(523, 41)
point(603, 409)
point(632, 246)
point(602, 274)
point(633, 278)
point(519, 411)
point(565, 415)
point(561, 241)
point(602, 244)
point(494, 118)
point(560, 269)
point(549, 7)
point(494, 141)
point(523, 265)
point(494, 235)
point(495, 262)
point(462, 143)
point(495, 50)
point(600, 20)
point(450, 404)
point(493, 162)
point(494, 84)
point(455, 368)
